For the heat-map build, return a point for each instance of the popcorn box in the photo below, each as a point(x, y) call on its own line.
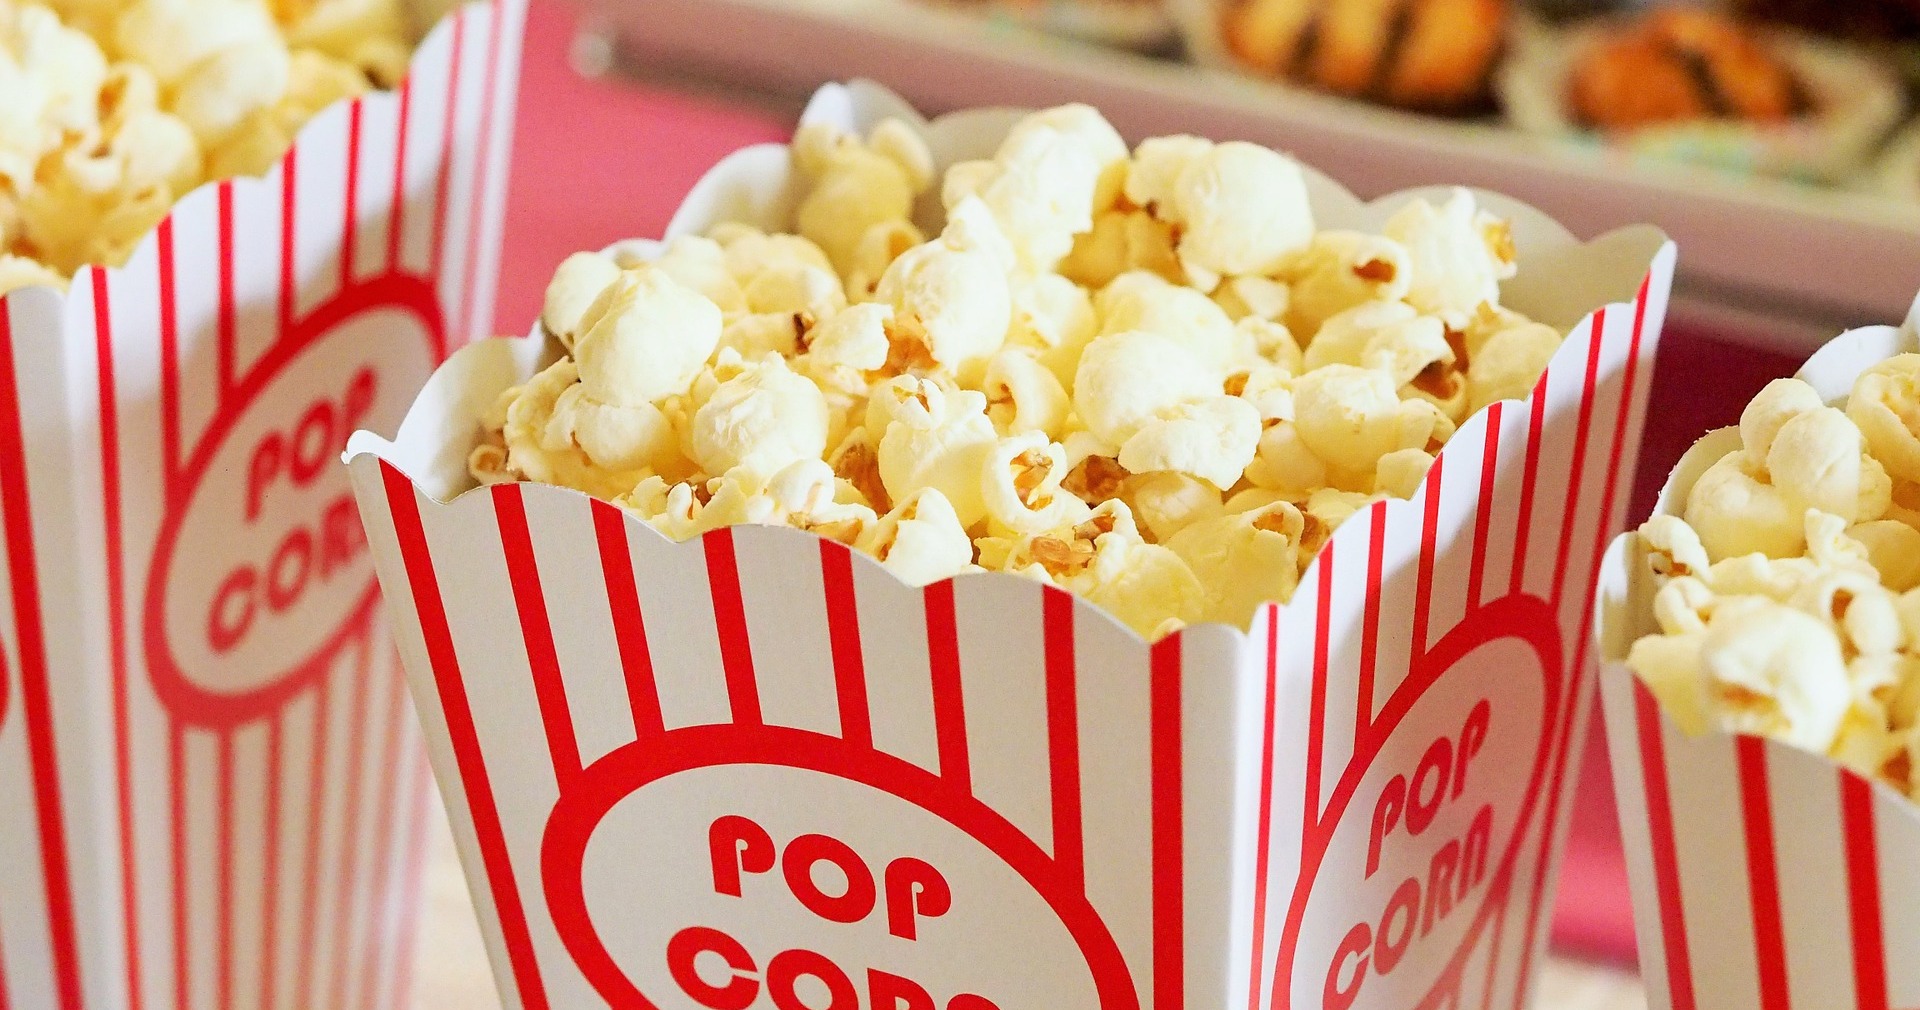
point(214, 781)
point(1763, 875)
point(757, 770)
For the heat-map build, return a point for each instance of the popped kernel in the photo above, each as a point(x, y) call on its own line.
point(921, 540)
point(1457, 256)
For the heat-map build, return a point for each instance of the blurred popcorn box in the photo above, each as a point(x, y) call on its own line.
point(1763, 875)
point(758, 770)
point(213, 777)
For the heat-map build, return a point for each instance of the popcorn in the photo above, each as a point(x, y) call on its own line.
point(1240, 209)
point(94, 151)
point(645, 338)
point(1776, 671)
point(1213, 439)
point(1736, 512)
point(921, 541)
point(20, 272)
point(1141, 378)
point(1885, 404)
point(1818, 460)
point(939, 439)
point(858, 185)
point(1780, 401)
point(1457, 254)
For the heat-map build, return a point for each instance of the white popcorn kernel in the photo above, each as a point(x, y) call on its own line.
point(1829, 546)
point(539, 453)
point(1056, 318)
point(1157, 164)
point(1672, 668)
point(1673, 548)
point(805, 294)
point(645, 337)
point(804, 496)
point(856, 462)
point(847, 345)
point(1023, 396)
point(1775, 671)
point(218, 94)
point(1735, 512)
point(755, 336)
point(1213, 439)
point(1340, 270)
point(941, 439)
point(65, 66)
point(1143, 302)
point(1254, 298)
point(575, 286)
point(1818, 460)
point(878, 248)
point(1780, 401)
point(1332, 506)
point(700, 263)
point(632, 437)
point(1268, 387)
point(19, 272)
point(1285, 464)
point(1051, 174)
point(920, 541)
point(1854, 606)
point(956, 305)
point(172, 37)
point(1420, 361)
point(1020, 486)
point(1126, 379)
point(901, 144)
point(1243, 561)
point(1756, 574)
point(1885, 403)
point(1144, 585)
point(1400, 472)
point(1167, 502)
point(1508, 364)
point(1242, 208)
point(1342, 339)
point(857, 185)
point(1458, 254)
point(751, 252)
point(760, 421)
point(737, 498)
point(1683, 605)
point(1349, 417)
point(1893, 548)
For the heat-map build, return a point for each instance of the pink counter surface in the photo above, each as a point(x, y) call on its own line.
point(600, 160)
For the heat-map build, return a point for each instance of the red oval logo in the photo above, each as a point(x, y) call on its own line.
point(781, 868)
point(261, 570)
point(1422, 831)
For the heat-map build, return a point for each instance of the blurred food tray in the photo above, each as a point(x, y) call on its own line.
point(1763, 261)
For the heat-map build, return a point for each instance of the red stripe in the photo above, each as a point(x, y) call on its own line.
point(1263, 850)
point(349, 851)
point(1063, 735)
point(1483, 518)
point(437, 251)
point(1317, 715)
point(424, 583)
point(1169, 888)
point(223, 978)
point(1763, 873)
point(401, 996)
point(169, 366)
point(536, 629)
point(229, 334)
point(1523, 527)
point(476, 243)
point(629, 626)
point(372, 945)
point(1604, 521)
point(110, 498)
point(730, 620)
point(310, 869)
point(289, 245)
point(23, 571)
point(1576, 475)
point(1666, 868)
point(1862, 837)
point(949, 703)
point(1429, 538)
point(177, 792)
point(843, 632)
point(6, 1002)
point(396, 220)
point(349, 228)
point(1370, 633)
point(269, 954)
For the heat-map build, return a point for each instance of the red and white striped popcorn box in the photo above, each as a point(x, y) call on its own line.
point(757, 770)
point(213, 778)
point(1763, 875)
